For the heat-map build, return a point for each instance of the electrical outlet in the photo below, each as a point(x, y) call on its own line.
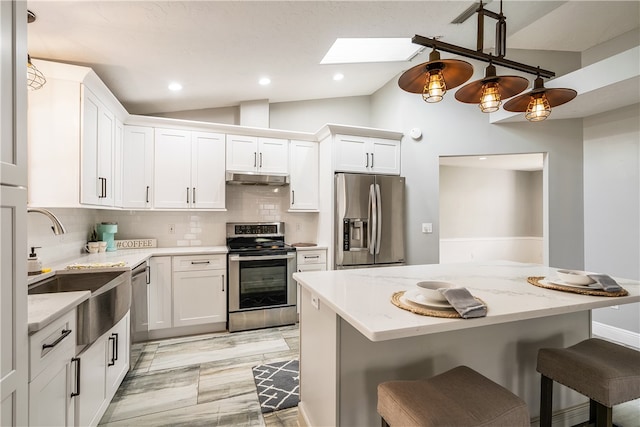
point(172, 229)
point(615, 307)
point(315, 301)
point(427, 227)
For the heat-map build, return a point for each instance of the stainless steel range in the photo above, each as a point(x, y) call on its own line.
point(262, 291)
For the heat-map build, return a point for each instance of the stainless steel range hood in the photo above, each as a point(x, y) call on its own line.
point(240, 178)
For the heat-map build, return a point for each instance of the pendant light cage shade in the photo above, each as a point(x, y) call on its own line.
point(432, 79)
point(434, 87)
point(538, 109)
point(35, 78)
point(490, 99)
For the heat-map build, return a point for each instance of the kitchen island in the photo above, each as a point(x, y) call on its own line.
point(352, 337)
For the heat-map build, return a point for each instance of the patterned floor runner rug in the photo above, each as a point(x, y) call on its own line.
point(278, 385)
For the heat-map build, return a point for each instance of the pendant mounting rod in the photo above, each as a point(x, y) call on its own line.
point(480, 56)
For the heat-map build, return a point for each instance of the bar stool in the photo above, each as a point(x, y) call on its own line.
point(607, 373)
point(459, 397)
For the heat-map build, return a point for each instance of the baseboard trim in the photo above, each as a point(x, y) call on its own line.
point(303, 420)
point(619, 335)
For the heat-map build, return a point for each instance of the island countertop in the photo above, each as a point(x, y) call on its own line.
point(362, 297)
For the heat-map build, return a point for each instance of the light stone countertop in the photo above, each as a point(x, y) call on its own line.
point(44, 308)
point(362, 297)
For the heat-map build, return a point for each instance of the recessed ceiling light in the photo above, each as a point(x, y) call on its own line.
point(264, 81)
point(175, 86)
point(353, 50)
point(338, 76)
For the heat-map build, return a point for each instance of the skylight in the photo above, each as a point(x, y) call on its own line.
point(354, 50)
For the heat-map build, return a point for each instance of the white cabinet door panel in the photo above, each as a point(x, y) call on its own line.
point(385, 156)
point(208, 170)
point(351, 154)
point(273, 155)
point(199, 297)
point(304, 185)
point(160, 297)
point(137, 167)
point(242, 153)
point(172, 168)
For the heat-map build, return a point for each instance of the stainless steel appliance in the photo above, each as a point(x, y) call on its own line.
point(369, 220)
point(140, 280)
point(262, 291)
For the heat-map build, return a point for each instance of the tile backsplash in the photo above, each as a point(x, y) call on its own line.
point(173, 228)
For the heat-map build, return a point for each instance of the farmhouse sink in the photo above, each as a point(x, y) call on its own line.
point(109, 301)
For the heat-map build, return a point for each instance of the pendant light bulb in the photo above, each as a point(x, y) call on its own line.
point(434, 86)
point(538, 108)
point(490, 98)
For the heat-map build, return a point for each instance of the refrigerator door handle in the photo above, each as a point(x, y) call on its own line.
point(373, 223)
point(342, 203)
point(378, 219)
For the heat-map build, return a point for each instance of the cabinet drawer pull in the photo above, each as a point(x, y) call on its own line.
point(200, 262)
point(113, 360)
point(255, 159)
point(77, 392)
point(65, 333)
point(311, 256)
point(147, 194)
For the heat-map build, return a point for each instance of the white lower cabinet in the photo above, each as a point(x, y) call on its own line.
point(310, 260)
point(52, 373)
point(103, 366)
point(199, 290)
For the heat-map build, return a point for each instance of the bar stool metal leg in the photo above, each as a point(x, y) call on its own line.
point(546, 401)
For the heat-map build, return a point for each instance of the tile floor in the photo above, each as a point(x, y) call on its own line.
point(204, 380)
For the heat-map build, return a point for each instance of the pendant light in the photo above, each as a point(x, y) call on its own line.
point(35, 78)
point(538, 103)
point(489, 92)
point(432, 79)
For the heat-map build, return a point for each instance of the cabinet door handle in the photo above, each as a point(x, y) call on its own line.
point(64, 334)
point(223, 283)
point(77, 392)
point(260, 159)
point(101, 192)
point(113, 360)
point(194, 195)
point(367, 164)
point(147, 194)
point(187, 195)
point(293, 197)
point(255, 159)
point(148, 274)
point(115, 347)
point(200, 262)
point(371, 159)
point(105, 188)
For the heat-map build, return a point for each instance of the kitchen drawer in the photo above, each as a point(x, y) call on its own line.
point(63, 344)
point(199, 262)
point(312, 257)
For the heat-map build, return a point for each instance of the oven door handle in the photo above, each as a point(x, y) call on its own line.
point(236, 258)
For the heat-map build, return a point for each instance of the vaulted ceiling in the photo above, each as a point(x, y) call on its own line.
point(219, 49)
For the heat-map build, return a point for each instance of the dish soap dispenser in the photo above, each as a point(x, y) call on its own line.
point(34, 266)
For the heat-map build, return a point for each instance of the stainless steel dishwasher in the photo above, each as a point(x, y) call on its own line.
point(140, 279)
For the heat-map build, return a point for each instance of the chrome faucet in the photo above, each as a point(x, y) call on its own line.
point(57, 226)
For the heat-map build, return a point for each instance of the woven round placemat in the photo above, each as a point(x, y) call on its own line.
point(583, 291)
point(433, 312)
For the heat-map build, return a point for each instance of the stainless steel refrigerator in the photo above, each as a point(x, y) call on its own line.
point(369, 220)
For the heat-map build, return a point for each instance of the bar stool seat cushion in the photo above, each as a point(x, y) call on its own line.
point(605, 372)
point(459, 397)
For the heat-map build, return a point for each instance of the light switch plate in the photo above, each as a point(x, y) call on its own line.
point(427, 227)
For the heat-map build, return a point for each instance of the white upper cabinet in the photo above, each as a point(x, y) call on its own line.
point(137, 167)
point(189, 170)
point(304, 176)
point(367, 155)
point(257, 154)
point(98, 142)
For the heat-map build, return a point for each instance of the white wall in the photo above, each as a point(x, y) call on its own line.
point(309, 116)
point(452, 128)
point(612, 204)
